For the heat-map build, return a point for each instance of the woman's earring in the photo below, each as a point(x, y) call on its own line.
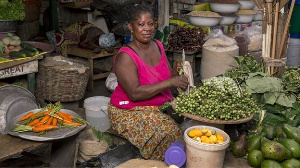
point(131, 36)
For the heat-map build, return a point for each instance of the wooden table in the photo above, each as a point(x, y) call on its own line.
point(59, 153)
point(27, 68)
point(90, 56)
point(12, 146)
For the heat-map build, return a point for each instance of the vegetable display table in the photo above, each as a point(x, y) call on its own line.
point(28, 68)
point(90, 56)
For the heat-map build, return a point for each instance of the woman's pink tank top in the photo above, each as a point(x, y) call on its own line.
point(147, 75)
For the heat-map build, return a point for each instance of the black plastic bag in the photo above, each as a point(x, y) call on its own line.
point(118, 155)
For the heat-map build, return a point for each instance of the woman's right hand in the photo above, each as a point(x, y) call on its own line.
point(179, 82)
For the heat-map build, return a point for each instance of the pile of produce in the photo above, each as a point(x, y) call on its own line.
point(218, 99)
point(12, 10)
point(270, 147)
point(206, 135)
point(189, 39)
point(279, 98)
point(11, 47)
point(48, 118)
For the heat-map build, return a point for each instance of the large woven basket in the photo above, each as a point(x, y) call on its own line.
point(64, 85)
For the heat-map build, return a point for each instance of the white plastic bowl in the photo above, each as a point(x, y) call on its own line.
point(224, 8)
point(227, 20)
point(258, 16)
point(204, 21)
point(246, 4)
point(244, 18)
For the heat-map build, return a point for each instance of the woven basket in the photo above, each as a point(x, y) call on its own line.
point(64, 85)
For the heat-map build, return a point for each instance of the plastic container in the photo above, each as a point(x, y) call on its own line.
point(96, 112)
point(295, 24)
point(175, 155)
point(205, 155)
point(293, 53)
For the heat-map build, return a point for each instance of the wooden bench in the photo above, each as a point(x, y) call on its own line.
point(90, 56)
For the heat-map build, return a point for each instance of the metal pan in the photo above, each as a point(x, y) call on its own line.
point(50, 135)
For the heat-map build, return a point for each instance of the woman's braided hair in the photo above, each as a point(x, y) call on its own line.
point(136, 10)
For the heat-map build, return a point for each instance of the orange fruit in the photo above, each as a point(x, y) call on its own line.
point(204, 139)
point(195, 133)
point(219, 141)
point(220, 137)
point(212, 139)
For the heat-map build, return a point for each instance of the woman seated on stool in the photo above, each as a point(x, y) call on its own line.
point(144, 82)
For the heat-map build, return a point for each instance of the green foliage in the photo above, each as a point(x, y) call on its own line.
point(245, 65)
point(12, 10)
point(291, 79)
point(101, 136)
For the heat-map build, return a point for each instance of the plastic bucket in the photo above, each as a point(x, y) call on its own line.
point(205, 155)
point(96, 112)
point(295, 24)
point(293, 54)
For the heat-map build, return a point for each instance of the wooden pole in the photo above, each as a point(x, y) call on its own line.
point(275, 30)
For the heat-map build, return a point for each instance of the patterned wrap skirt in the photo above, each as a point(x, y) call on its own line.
point(150, 130)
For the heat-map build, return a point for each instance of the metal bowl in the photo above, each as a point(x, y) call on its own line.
point(51, 135)
point(246, 4)
point(224, 8)
point(204, 21)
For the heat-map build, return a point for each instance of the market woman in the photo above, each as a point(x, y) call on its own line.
point(144, 79)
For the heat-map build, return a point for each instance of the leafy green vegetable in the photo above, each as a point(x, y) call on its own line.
point(12, 10)
point(291, 79)
point(101, 136)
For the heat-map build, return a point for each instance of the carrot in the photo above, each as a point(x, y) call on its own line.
point(47, 112)
point(54, 121)
point(45, 119)
point(67, 115)
point(43, 128)
point(60, 114)
point(49, 121)
point(37, 115)
point(34, 122)
point(26, 116)
point(71, 122)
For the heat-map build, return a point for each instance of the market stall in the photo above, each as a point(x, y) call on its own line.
point(242, 100)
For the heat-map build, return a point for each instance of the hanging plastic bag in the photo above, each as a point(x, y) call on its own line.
point(107, 40)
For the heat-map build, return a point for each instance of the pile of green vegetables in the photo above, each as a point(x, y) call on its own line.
point(277, 97)
point(269, 147)
point(13, 10)
point(218, 99)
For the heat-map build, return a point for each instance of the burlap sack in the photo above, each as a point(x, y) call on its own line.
point(216, 60)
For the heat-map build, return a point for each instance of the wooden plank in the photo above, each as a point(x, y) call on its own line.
point(26, 68)
point(12, 146)
point(163, 14)
point(101, 75)
point(19, 61)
